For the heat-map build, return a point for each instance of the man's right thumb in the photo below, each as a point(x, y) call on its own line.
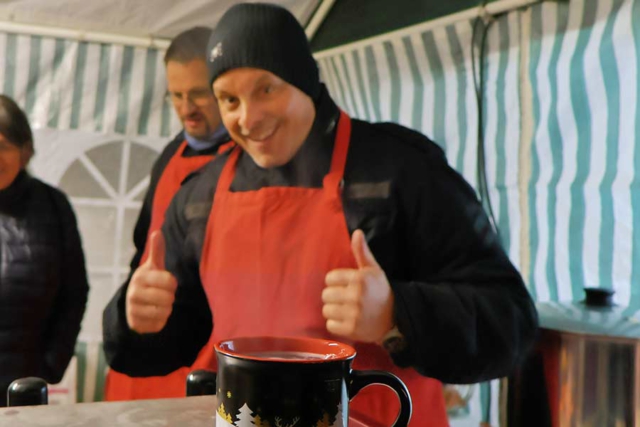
point(155, 260)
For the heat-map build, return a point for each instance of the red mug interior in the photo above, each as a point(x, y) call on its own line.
point(285, 349)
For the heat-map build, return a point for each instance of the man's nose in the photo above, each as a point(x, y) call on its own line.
point(250, 117)
point(187, 107)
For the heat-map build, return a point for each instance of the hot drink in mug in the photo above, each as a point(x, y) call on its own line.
point(293, 382)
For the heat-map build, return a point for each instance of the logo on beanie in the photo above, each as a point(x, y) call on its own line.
point(216, 52)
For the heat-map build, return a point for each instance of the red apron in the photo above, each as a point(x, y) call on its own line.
point(263, 269)
point(122, 387)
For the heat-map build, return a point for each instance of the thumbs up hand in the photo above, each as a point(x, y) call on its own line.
point(358, 303)
point(151, 291)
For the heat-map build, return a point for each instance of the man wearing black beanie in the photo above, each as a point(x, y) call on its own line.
point(332, 227)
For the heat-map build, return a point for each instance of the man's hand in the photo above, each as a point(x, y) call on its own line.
point(358, 303)
point(151, 291)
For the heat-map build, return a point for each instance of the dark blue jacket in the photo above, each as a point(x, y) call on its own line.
point(43, 282)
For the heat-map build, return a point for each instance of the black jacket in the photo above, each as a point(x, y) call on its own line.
point(460, 303)
point(43, 282)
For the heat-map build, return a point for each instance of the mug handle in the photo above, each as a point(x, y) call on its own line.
point(201, 382)
point(361, 379)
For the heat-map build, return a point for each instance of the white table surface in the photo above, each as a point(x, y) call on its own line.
point(183, 412)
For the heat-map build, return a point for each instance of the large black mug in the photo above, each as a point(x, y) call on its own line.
point(293, 382)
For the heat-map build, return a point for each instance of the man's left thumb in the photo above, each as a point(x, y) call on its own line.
point(361, 252)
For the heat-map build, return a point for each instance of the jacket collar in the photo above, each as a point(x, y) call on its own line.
point(14, 193)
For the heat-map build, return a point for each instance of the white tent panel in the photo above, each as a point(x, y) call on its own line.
point(140, 18)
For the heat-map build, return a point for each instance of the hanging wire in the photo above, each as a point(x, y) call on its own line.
point(484, 20)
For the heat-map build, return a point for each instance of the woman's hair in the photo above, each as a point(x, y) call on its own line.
point(14, 126)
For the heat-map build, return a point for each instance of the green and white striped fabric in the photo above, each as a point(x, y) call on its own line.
point(91, 371)
point(583, 198)
point(560, 110)
point(66, 84)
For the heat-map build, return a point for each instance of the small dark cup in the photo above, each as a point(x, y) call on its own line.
point(28, 391)
point(201, 383)
point(287, 382)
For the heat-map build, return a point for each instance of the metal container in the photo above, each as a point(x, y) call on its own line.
point(585, 370)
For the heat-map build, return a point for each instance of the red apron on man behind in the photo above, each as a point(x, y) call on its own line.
point(122, 387)
point(263, 269)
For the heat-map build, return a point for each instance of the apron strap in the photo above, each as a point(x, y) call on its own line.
point(181, 148)
point(333, 179)
point(228, 171)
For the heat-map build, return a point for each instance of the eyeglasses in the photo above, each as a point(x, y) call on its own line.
point(199, 97)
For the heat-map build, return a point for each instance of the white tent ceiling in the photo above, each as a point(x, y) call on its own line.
point(138, 18)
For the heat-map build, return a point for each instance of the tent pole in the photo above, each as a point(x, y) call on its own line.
point(492, 8)
point(88, 36)
point(318, 18)
point(498, 7)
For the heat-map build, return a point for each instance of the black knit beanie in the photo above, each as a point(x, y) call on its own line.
point(265, 36)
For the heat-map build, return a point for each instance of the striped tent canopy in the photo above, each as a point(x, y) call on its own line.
point(111, 81)
point(67, 84)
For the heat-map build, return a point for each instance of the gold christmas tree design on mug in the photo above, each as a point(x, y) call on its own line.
point(247, 418)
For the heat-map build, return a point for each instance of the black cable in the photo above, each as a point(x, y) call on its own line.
point(478, 71)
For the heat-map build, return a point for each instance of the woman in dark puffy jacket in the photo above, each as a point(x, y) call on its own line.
point(43, 281)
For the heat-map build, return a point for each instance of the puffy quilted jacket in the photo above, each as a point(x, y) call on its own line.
point(43, 282)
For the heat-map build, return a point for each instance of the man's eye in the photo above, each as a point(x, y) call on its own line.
point(268, 89)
